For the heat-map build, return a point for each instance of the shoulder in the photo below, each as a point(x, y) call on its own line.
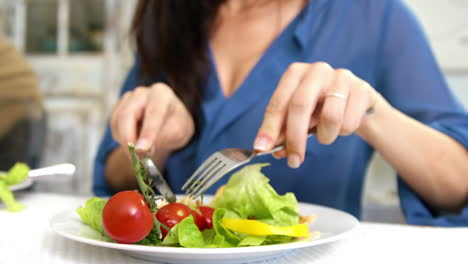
point(371, 19)
point(364, 10)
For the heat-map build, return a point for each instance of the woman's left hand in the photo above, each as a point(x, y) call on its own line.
point(333, 101)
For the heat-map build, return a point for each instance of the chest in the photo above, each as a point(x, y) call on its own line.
point(236, 51)
point(239, 41)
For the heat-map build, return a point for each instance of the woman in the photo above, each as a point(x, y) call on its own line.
point(215, 74)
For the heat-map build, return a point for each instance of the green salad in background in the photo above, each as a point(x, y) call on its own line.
point(247, 211)
point(17, 174)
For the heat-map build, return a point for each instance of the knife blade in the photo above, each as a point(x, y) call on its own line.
point(158, 180)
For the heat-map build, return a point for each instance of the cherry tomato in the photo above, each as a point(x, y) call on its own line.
point(199, 220)
point(171, 214)
point(207, 213)
point(126, 217)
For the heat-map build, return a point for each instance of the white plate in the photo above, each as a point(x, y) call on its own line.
point(332, 225)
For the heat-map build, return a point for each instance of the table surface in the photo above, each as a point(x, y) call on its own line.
point(26, 237)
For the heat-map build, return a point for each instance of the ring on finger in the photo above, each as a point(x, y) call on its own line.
point(337, 95)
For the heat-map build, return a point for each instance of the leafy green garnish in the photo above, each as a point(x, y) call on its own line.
point(152, 239)
point(145, 184)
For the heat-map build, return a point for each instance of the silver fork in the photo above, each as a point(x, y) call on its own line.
point(219, 164)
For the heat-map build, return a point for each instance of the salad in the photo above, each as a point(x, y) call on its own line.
point(247, 211)
point(17, 174)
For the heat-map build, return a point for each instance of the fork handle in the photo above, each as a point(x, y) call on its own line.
point(280, 146)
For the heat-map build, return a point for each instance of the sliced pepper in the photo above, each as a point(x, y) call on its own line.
point(257, 228)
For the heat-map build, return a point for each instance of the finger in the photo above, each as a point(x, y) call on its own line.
point(115, 116)
point(131, 112)
point(300, 110)
point(280, 154)
point(161, 103)
point(334, 105)
point(276, 110)
point(121, 109)
point(360, 99)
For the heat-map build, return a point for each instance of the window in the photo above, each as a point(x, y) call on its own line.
point(64, 26)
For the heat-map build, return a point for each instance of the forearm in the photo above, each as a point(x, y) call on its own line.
point(119, 172)
point(432, 163)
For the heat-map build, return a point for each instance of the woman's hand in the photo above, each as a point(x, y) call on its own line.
point(152, 117)
point(334, 102)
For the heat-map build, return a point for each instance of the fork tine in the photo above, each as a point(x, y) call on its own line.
point(224, 170)
point(199, 172)
point(206, 174)
point(207, 177)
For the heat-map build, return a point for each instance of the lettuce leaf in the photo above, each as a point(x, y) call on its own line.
point(17, 174)
point(91, 213)
point(252, 241)
point(249, 194)
point(229, 236)
point(9, 199)
point(187, 234)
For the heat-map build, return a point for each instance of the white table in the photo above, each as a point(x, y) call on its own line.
point(25, 237)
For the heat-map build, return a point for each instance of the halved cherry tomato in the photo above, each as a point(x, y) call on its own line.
point(126, 217)
point(199, 220)
point(207, 213)
point(171, 214)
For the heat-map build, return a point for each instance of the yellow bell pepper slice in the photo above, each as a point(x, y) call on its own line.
point(257, 228)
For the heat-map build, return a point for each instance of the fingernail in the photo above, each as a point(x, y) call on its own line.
point(294, 161)
point(280, 154)
point(261, 143)
point(142, 145)
point(276, 156)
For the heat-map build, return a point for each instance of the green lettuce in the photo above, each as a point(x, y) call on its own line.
point(230, 237)
point(249, 194)
point(91, 213)
point(17, 174)
point(9, 199)
point(187, 234)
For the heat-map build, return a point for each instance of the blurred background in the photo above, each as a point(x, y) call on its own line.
point(79, 50)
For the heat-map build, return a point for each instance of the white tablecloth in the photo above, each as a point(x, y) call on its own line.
point(25, 237)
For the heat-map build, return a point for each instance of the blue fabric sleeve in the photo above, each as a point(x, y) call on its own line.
point(412, 82)
point(108, 144)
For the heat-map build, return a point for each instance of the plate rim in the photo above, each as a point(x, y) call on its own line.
point(204, 251)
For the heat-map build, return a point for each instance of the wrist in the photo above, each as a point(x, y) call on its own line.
point(374, 124)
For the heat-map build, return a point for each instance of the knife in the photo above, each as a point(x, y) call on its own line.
point(158, 180)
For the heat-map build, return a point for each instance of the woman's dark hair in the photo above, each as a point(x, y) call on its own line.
point(171, 38)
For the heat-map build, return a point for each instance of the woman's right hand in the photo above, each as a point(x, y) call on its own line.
point(152, 117)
